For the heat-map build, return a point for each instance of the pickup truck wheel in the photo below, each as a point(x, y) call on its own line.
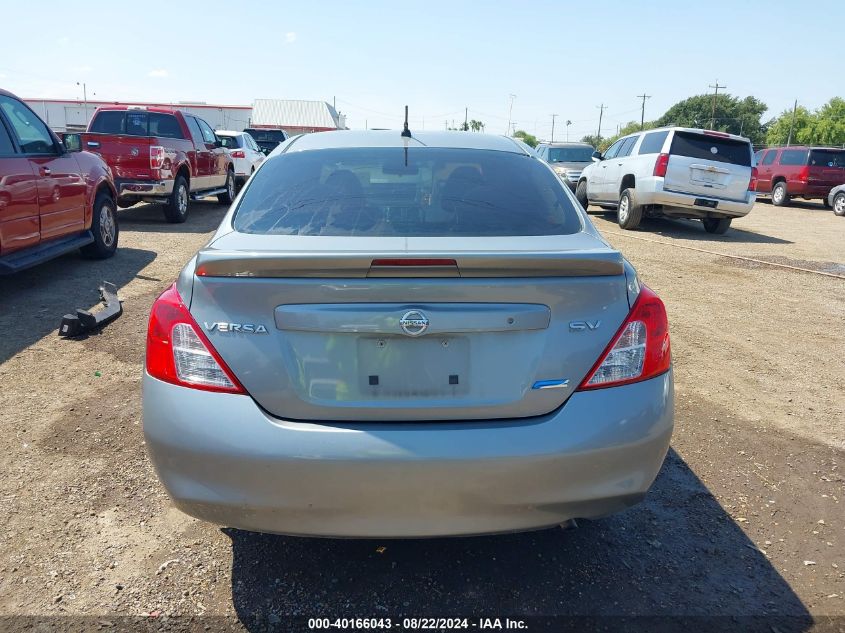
point(104, 227)
point(839, 204)
point(229, 196)
point(779, 196)
point(628, 213)
point(176, 209)
point(717, 226)
point(581, 194)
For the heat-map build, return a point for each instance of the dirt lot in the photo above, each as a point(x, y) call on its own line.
point(744, 523)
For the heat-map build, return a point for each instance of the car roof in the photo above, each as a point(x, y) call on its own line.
point(566, 144)
point(807, 147)
point(393, 138)
point(228, 132)
point(120, 108)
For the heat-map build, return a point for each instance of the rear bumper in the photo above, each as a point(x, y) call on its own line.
point(223, 459)
point(650, 191)
point(161, 188)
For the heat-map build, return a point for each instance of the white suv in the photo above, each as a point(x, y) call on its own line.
point(673, 172)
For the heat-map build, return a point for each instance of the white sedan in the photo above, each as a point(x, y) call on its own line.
point(246, 155)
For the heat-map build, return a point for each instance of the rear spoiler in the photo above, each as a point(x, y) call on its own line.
point(589, 263)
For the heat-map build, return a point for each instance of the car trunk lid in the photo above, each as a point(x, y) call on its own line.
point(473, 332)
point(708, 164)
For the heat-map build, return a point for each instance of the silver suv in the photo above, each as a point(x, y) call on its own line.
point(567, 159)
point(673, 172)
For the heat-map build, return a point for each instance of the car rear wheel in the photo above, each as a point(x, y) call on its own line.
point(581, 194)
point(839, 204)
point(718, 226)
point(104, 227)
point(628, 213)
point(779, 196)
point(229, 195)
point(176, 209)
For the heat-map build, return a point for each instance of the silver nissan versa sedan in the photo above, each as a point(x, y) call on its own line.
point(406, 337)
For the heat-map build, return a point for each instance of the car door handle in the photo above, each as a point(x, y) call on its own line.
point(45, 171)
point(619, 164)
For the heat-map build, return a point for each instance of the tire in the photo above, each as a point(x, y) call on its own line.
point(229, 196)
point(176, 209)
point(717, 226)
point(779, 196)
point(581, 194)
point(104, 227)
point(628, 213)
point(839, 204)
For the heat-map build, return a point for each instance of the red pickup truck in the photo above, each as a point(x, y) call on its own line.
point(799, 172)
point(53, 198)
point(161, 155)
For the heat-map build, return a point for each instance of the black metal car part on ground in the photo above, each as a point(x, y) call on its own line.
point(85, 321)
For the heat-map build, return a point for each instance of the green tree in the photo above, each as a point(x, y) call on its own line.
point(830, 123)
point(528, 139)
point(628, 128)
point(592, 139)
point(476, 126)
point(825, 126)
point(732, 114)
point(778, 128)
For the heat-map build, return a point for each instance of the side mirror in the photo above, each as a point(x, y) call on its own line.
point(72, 142)
point(218, 143)
point(597, 157)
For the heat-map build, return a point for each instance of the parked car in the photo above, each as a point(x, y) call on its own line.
point(673, 172)
point(567, 159)
point(799, 172)
point(161, 155)
point(246, 155)
point(836, 200)
point(372, 345)
point(268, 139)
point(53, 198)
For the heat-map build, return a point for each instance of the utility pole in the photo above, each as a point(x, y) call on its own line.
point(644, 96)
point(553, 127)
point(85, 100)
point(510, 111)
point(466, 116)
point(568, 123)
point(713, 111)
point(601, 113)
point(792, 124)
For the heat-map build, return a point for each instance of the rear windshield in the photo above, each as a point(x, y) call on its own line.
point(136, 123)
point(396, 192)
point(827, 158)
point(267, 136)
point(570, 154)
point(229, 142)
point(716, 148)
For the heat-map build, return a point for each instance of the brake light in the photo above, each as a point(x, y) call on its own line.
point(179, 353)
point(714, 133)
point(660, 165)
point(414, 261)
point(238, 154)
point(156, 156)
point(639, 351)
point(752, 184)
point(804, 174)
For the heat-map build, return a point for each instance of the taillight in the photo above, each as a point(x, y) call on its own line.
point(804, 174)
point(660, 165)
point(639, 351)
point(752, 184)
point(238, 154)
point(156, 156)
point(179, 353)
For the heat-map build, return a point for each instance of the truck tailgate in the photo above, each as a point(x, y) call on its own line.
point(128, 156)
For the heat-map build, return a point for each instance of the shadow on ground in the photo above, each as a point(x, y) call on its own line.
point(33, 301)
point(203, 216)
point(677, 554)
point(694, 231)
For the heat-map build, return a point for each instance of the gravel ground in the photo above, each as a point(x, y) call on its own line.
point(743, 529)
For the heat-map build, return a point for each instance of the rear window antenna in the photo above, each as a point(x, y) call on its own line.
point(406, 132)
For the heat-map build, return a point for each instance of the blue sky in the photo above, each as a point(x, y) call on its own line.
point(438, 57)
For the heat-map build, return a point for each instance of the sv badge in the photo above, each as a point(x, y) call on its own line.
point(580, 326)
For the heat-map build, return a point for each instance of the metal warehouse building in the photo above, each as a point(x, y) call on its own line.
point(292, 115)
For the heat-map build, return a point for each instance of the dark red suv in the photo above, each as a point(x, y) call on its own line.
point(799, 172)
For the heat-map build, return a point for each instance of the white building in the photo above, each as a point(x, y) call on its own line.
point(68, 115)
point(296, 116)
